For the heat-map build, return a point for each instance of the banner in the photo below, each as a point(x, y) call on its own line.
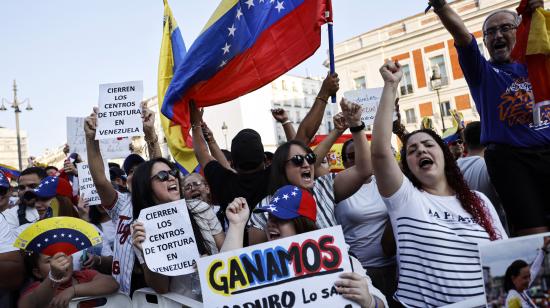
point(86, 184)
point(119, 110)
point(169, 247)
point(297, 271)
point(109, 148)
point(369, 99)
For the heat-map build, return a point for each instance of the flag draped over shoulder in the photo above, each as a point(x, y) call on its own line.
point(172, 52)
point(533, 48)
point(244, 46)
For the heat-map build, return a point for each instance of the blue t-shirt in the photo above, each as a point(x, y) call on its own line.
point(504, 99)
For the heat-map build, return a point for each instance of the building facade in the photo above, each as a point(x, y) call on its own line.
point(423, 47)
point(8, 147)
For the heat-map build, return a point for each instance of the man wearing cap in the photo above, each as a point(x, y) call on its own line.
point(118, 179)
point(4, 192)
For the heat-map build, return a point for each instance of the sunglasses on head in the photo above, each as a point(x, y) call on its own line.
point(298, 160)
point(164, 175)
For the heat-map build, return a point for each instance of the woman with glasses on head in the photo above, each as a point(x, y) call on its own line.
point(156, 182)
point(293, 164)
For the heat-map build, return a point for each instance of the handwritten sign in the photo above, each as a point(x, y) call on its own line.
point(295, 271)
point(169, 247)
point(119, 110)
point(110, 148)
point(369, 99)
point(86, 183)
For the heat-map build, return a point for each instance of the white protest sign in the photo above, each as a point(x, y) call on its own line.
point(297, 271)
point(369, 99)
point(119, 110)
point(86, 183)
point(110, 148)
point(169, 247)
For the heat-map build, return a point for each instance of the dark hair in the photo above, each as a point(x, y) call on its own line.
point(30, 261)
point(303, 224)
point(345, 150)
point(66, 207)
point(511, 272)
point(472, 134)
point(278, 175)
point(142, 196)
point(51, 167)
point(40, 172)
point(469, 200)
point(95, 216)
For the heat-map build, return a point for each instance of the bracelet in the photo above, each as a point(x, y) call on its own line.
point(50, 276)
point(359, 128)
point(286, 122)
point(193, 126)
point(323, 99)
point(99, 261)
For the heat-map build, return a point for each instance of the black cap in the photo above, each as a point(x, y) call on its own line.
point(116, 172)
point(247, 149)
point(131, 161)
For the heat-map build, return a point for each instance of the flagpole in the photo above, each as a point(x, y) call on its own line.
point(330, 44)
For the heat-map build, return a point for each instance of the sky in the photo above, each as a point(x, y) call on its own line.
point(59, 51)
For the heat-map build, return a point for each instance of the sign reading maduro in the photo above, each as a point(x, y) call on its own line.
point(291, 272)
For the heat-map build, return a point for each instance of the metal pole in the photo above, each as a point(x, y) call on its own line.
point(440, 111)
point(330, 45)
point(17, 111)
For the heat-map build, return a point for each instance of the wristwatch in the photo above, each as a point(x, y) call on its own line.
point(357, 128)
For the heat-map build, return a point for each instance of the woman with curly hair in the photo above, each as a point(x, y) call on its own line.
point(437, 220)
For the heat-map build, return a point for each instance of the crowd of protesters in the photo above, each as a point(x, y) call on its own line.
point(412, 219)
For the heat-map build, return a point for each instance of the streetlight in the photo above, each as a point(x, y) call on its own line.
point(224, 131)
point(435, 81)
point(15, 105)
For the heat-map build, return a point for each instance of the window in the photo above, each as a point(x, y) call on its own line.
point(437, 65)
point(446, 108)
point(294, 88)
point(274, 85)
point(297, 103)
point(410, 116)
point(406, 81)
point(360, 83)
point(284, 85)
point(298, 118)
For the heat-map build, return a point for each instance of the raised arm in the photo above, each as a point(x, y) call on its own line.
point(452, 22)
point(215, 150)
point(281, 116)
point(324, 146)
point(11, 265)
point(388, 174)
point(347, 182)
point(151, 138)
point(105, 190)
point(310, 124)
point(199, 144)
point(237, 214)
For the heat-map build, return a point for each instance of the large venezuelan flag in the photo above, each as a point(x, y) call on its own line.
point(9, 171)
point(244, 45)
point(172, 52)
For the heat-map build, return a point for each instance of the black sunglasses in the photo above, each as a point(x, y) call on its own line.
point(24, 187)
point(298, 160)
point(164, 175)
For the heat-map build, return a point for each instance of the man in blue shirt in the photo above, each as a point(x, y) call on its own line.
point(518, 151)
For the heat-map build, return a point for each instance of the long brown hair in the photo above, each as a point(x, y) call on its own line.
point(469, 200)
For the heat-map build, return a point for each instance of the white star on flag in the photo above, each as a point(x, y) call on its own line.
point(293, 194)
point(271, 208)
point(271, 1)
point(285, 196)
point(239, 14)
point(70, 235)
point(82, 243)
point(250, 3)
point(62, 234)
point(226, 48)
point(276, 199)
point(280, 6)
point(55, 236)
point(46, 240)
point(76, 239)
point(38, 245)
point(295, 188)
point(232, 30)
point(223, 63)
point(262, 1)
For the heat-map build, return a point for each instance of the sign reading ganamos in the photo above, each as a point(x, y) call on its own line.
point(295, 271)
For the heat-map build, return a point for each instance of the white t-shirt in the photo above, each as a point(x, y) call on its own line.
point(123, 255)
point(6, 236)
point(363, 217)
point(323, 193)
point(31, 214)
point(437, 247)
point(475, 173)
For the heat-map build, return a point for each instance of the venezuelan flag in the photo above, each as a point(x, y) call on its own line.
point(533, 48)
point(9, 171)
point(172, 52)
point(244, 45)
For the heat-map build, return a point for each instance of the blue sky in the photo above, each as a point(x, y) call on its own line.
point(60, 51)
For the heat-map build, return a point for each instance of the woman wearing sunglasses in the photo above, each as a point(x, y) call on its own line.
point(293, 164)
point(156, 182)
point(437, 220)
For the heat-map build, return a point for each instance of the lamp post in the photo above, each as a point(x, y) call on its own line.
point(435, 81)
point(15, 105)
point(224, 131)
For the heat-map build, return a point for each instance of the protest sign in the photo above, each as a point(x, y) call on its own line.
point(169, 247)
point(119, 110)
point(295, 271)
point(86, 183)
point(110, 148)
point(369, 99)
